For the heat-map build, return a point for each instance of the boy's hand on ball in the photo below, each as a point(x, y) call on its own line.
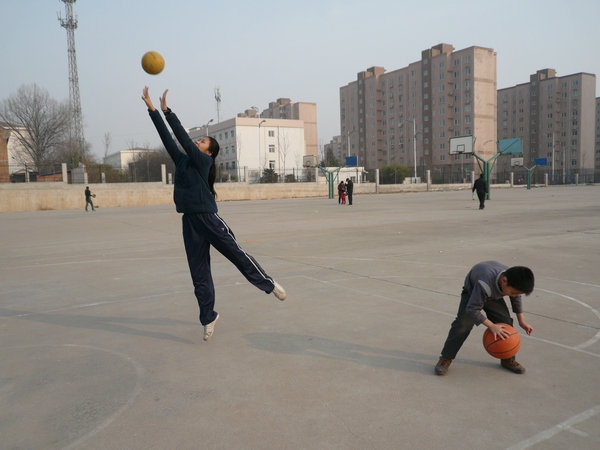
point(498, 331)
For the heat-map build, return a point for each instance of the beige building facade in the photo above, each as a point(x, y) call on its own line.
point(555, 117)
point(597, 158)
point(445, 94)
point(284, 108)
point(256, 143)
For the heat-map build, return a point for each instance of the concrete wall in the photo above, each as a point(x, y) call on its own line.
point(59, 196)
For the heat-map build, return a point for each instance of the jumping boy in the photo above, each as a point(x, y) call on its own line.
point(485, 286)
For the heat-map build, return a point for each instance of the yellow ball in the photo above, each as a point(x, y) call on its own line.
point(153, 63)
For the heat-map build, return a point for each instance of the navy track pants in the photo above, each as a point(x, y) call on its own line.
point(200, 231)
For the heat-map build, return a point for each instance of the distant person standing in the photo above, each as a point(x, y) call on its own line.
point(481, 187)
point(88, 198)
point(341, 193)
point(349, 188)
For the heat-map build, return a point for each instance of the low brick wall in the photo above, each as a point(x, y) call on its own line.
point(15, 197)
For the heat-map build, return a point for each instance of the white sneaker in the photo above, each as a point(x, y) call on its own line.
point(210, 328)
point(278, 291)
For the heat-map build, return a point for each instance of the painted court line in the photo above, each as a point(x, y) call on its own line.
point(550, 432)
point(595, 338)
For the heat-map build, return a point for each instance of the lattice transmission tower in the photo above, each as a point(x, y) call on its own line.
point(76, 129)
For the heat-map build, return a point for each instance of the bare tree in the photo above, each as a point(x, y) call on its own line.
point(40, 124)
point(284, 147)
point(238, 152)
point(321, 151)
point(106, 141)
point(131, 144)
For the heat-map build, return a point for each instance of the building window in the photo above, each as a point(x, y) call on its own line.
point(271, 133)
point(271, 148)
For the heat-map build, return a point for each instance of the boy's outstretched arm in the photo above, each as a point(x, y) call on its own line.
point(528, 328)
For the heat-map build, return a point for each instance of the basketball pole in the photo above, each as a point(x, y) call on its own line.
point(488, 165)
point(529, 175)
point(330, 176)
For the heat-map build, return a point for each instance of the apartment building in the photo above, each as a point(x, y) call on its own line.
point(284, 108)
point(121, 159)
point(257, 143)
point(407, 116)
point(556, 119)
point(337, 146)
point(597, 158)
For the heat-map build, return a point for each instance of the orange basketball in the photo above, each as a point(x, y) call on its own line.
point(502, 348)
point(153, 63)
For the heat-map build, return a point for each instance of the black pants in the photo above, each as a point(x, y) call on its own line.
point(495, 310)
point(349, 197)
point(200, 231)
point(481, 197)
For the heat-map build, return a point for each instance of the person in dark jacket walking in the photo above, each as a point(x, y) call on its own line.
point(88, 198)
point(349, 189)
point(341, 193)
point(481, 187)
point(194, 196)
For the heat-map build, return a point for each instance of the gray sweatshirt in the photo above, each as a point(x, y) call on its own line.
point(482, 284)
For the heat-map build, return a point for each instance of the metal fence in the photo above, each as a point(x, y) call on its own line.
point(141, 171)
point(439, 175)
point(556, 177)
point(151, 171)
point(22, 173)
point(265, 176)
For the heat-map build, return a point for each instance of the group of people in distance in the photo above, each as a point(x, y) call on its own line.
point(345, 190)
point(484, 288)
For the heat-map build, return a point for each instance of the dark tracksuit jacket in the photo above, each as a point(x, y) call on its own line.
point(480, 293)
point(202, 226)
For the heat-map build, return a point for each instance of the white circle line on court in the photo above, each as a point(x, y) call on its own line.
point(550, 432)
point(573, 282)
point(140, 375)
point(591, 341)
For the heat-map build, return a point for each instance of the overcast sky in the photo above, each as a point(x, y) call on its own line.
point(259, 50)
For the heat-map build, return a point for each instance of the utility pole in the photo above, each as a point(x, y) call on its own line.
point(218, 99)
point(76, 129)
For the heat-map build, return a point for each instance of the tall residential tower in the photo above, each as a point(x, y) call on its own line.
point(445, 94)
point(555, 117)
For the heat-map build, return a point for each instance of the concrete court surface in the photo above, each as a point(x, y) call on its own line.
point(101, 348)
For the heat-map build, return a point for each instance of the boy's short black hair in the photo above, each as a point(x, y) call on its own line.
point(520, 278)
